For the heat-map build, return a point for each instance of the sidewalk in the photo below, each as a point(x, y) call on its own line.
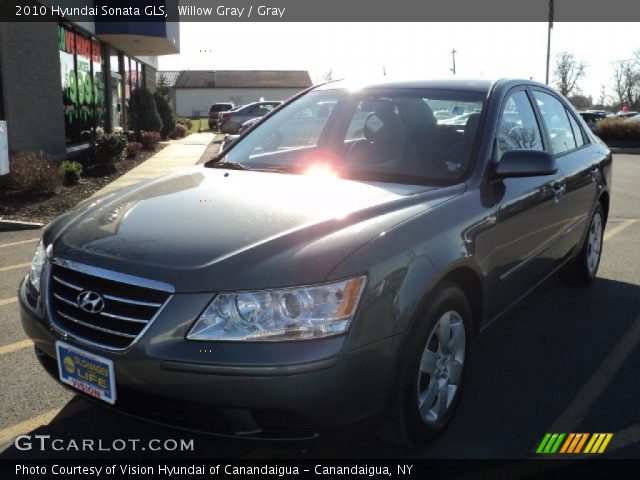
point(178, 154)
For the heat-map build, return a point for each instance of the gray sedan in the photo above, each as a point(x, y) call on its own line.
point(332, 267)
point(230, 122)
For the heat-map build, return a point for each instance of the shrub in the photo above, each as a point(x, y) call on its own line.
point(184, 121)
point(71, 171)
point(166, 115)
point(143, 114)
point(133, 148)
point(109, 150)
point(179, 132)
point(617, 129)
point(31, 173)
point(149, 140)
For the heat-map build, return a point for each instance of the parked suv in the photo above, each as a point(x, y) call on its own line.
point(230, 122)
point(334, 265)
point(214, 111)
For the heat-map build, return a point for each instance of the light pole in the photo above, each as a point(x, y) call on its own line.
point(549, 39)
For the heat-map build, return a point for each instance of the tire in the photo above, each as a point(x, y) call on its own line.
point(423, 371)
point(582, 270)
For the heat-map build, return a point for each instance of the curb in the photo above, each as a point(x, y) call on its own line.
point(14, 225)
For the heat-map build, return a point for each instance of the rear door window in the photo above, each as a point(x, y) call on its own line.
point(577, 131)
point(555, 118)
point(518, 128)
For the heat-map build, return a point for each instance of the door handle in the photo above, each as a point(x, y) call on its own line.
point(558, 190)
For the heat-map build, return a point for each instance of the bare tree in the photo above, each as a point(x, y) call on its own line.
point(602, 100)
point(567, 72)
point(163, 86)
point(619, 84)
point(626, 79)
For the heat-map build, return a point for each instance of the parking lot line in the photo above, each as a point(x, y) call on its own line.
point(10, 433)
point(21, 242)
point(8, 301)
point(13, 267)
point(617, 229)
point(577, 410)
point(12, 347)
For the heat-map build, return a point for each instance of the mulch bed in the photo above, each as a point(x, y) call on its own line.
point(34, 208)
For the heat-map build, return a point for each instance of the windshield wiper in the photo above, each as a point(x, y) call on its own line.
point(273, 169)
point(229, 166)
point(239, 166)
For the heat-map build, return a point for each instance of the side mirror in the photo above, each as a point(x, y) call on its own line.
point(526, 163)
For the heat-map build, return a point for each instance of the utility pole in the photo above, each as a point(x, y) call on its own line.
point(549, 39)
point(453, 57)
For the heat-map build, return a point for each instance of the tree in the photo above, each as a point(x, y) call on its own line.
point(581, 102)
point(602, 99)
point(627, 84)
point(568, 72)
point(143, 114)
point(163, 86)
point(166, 115)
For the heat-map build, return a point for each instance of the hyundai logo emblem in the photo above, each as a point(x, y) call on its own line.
point(90, 302)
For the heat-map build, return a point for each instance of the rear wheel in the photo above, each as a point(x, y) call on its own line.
point(431, 372)
point(583, 269)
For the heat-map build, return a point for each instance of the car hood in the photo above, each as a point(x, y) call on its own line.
point(192, 222)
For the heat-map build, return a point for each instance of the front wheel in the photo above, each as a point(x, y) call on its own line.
point(431, 371)
point(583, 269)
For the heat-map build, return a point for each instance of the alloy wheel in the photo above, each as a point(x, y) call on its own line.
point(440, 373)
point(594, 243)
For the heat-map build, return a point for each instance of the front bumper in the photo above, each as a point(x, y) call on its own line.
point(286, 390)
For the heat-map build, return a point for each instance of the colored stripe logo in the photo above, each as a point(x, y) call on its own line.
point(568, 443)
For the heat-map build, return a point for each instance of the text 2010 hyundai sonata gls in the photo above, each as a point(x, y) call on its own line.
point(333, 265)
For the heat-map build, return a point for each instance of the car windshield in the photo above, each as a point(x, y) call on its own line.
point(402, 135)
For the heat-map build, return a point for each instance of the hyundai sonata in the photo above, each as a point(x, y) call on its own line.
point(332, 266)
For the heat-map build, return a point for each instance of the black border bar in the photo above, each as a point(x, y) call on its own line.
point(321, 10)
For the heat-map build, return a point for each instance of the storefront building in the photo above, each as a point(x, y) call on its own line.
point(61, 84)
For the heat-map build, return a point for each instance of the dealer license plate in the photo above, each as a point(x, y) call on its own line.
point(87, 372)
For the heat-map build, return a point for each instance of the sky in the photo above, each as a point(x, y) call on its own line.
point(406, 50)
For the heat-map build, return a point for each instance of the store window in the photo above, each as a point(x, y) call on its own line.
point(82, 81)
point(132, 77)
point(117, 91)
point(99, 86)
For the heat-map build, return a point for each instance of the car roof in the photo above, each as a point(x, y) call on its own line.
point(266, 102)
point(483, 85)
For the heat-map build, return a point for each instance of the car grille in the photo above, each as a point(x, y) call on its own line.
point(128, 308)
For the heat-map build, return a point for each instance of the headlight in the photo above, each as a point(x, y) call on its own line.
point(280, 314)
point(36, 267)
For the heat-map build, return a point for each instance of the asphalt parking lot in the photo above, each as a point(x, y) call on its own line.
point(564, 360)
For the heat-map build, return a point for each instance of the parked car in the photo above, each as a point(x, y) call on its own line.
point(231, 121)
point(604, 113)
point(214, 112)
point(592, 118)
point(623, 115)
point(248, 124)
point(635, 118)
point(227, 141)
point(331, 277)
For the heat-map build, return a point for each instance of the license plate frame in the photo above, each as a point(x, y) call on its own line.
point(86, 372)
